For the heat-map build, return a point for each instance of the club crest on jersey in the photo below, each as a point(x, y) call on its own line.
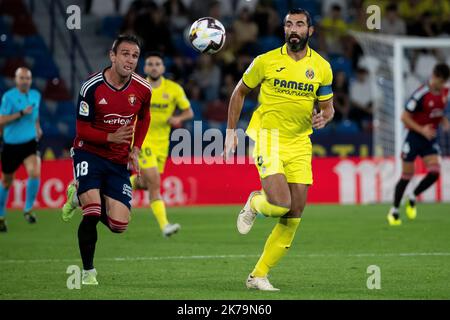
point(165, 96)
point(309, 74)
point(84, 109)
point(132, 99)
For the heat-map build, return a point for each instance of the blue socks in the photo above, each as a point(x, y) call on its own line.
point(3, 198)
point(32, 190)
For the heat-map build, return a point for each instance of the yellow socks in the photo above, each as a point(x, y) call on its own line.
point(159, 210)
point(260, 204)
point(276, 245)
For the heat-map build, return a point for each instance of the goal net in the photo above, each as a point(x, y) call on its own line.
point(397, 66)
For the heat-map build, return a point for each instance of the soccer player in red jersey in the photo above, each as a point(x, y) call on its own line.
point(112, 121)
point(423, 114)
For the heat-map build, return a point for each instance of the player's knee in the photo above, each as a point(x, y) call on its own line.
point(282, 202)
point(92, 210)
point(117, 226)
point(434, 170)
point(276, 210)
point(155, 194)
point(407, 175)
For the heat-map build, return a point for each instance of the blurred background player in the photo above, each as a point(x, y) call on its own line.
point(167, 95)
point(424, 112)
point(110, 102)
point(281, 127)
point(19, 117)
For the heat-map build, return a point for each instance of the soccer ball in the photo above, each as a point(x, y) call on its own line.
point(207, 35)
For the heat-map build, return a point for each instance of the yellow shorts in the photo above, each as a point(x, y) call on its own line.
point(152, 156)
point(293, 160)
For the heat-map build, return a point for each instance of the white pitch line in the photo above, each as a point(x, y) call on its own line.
point(231, 256)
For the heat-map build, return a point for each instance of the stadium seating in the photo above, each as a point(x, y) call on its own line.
point(55, 89)
point(23, 25)
point(11, 65)
point(10, 48)
point(34, 45)
point(197, 109)
point(3, 86)
point(267, 43)
point(346, 127)
point(46, 68)
point(12, 7)
point(340, 63)
point(21, 45)
point(110, 26)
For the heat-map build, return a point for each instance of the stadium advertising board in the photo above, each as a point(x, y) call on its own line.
point(345, 181)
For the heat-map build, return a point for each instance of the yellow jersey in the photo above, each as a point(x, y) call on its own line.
point(165, 99)
point(289, 89)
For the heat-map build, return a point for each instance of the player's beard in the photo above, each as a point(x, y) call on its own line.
point(297, 46)
point(154, 78)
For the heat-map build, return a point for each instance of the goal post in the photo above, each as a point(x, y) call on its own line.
point(387, 62)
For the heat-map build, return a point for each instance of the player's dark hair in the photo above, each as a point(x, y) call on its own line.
point(154, 54)
point(299, 11)
point(441, 70)
point(125, 38)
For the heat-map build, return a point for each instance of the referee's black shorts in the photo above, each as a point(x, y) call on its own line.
point(14, 154)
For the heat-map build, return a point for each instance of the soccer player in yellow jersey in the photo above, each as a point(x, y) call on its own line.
point(166, 97)
point(292, 78)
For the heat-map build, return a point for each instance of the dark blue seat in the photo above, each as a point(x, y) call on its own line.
point(5, 28)
point(9, 48)
point(66, 108)
point(45, 68)
point(34, 46)
point(111, 26)
point(268, 43)
point(183, 47)
point(312, 6)
point(281, 6)
point(340, 63)
point(196, 107)
point(3, 86)
point(347, 126)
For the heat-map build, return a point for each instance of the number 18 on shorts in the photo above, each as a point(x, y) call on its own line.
point(94, 172)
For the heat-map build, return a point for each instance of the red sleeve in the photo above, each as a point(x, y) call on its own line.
point(143, 122)
point(87, 133)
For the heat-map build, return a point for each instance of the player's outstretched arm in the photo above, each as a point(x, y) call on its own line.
point(234, 112)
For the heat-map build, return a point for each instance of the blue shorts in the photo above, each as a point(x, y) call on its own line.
point(417, 145)
point(94, 172)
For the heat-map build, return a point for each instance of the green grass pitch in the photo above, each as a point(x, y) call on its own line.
point(208, 259)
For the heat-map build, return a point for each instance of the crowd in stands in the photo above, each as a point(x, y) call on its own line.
point(253, 27)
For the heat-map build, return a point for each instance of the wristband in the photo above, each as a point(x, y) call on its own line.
point(21, 113)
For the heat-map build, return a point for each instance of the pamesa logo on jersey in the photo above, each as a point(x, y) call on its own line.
point(300, 86)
